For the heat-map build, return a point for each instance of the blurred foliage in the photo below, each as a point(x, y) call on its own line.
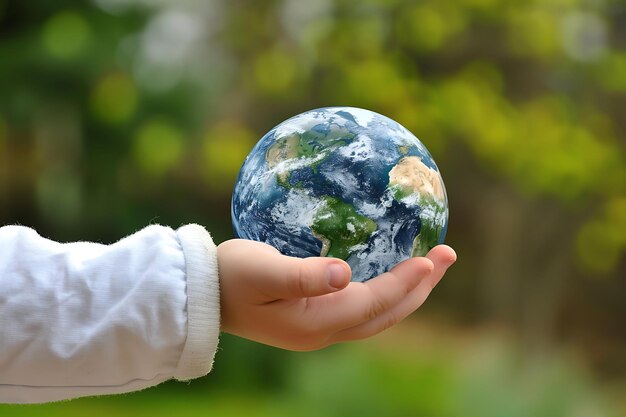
point(435, 375)
point(117, 113)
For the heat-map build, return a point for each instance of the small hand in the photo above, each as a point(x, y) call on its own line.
point(307, 304)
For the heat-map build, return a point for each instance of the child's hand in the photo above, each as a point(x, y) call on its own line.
point(307, 304)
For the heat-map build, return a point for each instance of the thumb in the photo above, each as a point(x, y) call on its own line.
point(297, 278)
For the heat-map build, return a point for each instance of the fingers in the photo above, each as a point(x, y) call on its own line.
point(263, 274)
point(362, 302)
point(443, 257)
point(291, 278)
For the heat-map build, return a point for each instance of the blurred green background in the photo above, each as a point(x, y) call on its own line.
point(119, 113)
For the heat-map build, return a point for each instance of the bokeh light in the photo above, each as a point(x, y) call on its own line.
point(584, 35)
point(114, 98)
point(533, 31)
point(158, 146)
point(612, 72)
point(275, 71)
point(66, 35)
point(225, 147)
point(425, 27)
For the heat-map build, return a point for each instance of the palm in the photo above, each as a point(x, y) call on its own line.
point(284, 317)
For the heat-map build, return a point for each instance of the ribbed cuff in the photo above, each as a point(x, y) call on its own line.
point(203, 302)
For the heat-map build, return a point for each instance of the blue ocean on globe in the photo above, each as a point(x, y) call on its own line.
point(342, 182)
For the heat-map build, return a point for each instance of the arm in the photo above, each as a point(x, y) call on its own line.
point(86, 319)
point(83, 319)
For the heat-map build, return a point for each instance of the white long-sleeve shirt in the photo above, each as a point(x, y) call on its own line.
point(81, 319)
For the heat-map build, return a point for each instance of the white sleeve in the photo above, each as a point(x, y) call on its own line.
point(80, 319)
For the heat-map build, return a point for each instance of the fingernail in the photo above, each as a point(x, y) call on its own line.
point(336, 275)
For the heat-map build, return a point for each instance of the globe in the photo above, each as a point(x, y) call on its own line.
point(342, 182)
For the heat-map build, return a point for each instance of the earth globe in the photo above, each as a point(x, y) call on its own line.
point(342, 182)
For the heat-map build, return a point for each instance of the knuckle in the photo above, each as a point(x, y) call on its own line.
point(407, 289)
point(390, 321)
point(300, 280)
point(376, 308)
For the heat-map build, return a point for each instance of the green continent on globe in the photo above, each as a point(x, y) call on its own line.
point(311, 146)
point(414, 183)
point(338, 225)
point(431, 228)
